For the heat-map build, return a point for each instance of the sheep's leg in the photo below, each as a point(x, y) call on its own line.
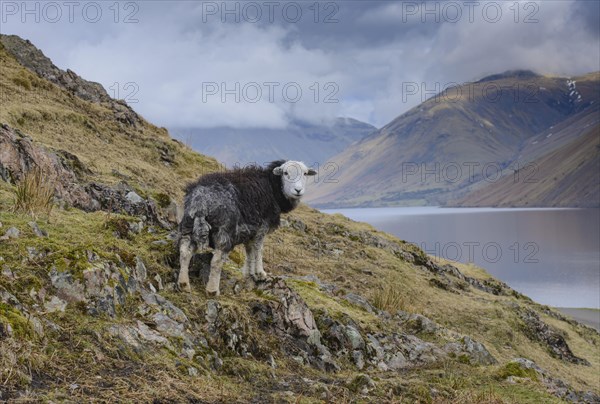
point(259, 272)
point(249, 263)
point(186, 251)
point(212, 287)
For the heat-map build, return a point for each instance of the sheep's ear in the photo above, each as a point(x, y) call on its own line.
point(311, 172)
point(278, 171)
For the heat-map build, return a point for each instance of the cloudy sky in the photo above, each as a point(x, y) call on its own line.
point(265, 63)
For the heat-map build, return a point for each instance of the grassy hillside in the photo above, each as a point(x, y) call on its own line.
point(440, 149)
point(112, 141)
point(88, 310)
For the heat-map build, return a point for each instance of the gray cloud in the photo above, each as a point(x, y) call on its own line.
point(368, 50)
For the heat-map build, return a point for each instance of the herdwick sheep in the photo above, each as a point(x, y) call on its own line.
point(222, 210)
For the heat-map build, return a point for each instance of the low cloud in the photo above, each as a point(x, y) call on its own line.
point(186, 67)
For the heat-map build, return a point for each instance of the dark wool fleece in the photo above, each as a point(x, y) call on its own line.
point(230, 208)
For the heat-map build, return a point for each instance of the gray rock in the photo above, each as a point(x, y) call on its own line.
point(188, 353)
point(216, 363)
point(478, 352)
point(159, 283)
point(136, 228)
point(6, 272)
point(328, 287)
point(6, 330)
point(95, 280)
point(127, 334)
point(359, 301)
point(12, 232)
point(34, 254)
point(68, 288)
point(133, 197)
point(359, 359)
point(398, 361)
point(193, 372)
point(528, 364)
point(141, 272)
point(150, 335)
point(416, 323)
point(168, 326)
point(37, 231)
point(212, 311)
point(297, 224)
point(396, 351)
point(353, 335)
point(92, 256)
point(362, 383)
point(55, 304)
point(174, 312)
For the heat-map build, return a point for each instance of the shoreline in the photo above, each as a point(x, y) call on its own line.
point(589, 317)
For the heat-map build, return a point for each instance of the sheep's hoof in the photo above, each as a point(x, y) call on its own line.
point(260, 276)
point(185, 287)
point(212, 293)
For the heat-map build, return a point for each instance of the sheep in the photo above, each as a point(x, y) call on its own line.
point(222, 210)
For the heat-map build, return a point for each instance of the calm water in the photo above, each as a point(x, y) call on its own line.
point(551, 255)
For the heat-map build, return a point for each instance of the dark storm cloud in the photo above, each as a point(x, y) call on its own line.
point(588, 12)
point(361, 53)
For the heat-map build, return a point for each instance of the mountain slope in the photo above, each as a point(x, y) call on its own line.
point(89, 312)
point(432, 153)
point(307, 142)
point(560, 167)
point(107, 136)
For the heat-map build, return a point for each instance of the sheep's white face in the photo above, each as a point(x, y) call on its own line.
point(293, 178)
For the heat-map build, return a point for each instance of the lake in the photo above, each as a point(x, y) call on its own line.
point(550, 255)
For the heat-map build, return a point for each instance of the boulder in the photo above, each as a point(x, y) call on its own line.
point(286, 314)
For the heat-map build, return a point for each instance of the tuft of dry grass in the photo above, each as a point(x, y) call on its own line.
point(388, 298)
point(34, 194)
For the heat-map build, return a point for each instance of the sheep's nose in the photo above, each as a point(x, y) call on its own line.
point(298, 190)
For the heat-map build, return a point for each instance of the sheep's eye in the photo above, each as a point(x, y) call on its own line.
point(286, 173)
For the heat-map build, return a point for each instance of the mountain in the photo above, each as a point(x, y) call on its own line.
point(559, 167)
point(89, 310)
point(466, 136)
point(311, 143)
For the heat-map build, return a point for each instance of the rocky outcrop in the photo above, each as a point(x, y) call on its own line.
point(541, 332)
point(286, 314)
point(33, 59)
point(20, 155)
point(403, 348)
point(554, 385)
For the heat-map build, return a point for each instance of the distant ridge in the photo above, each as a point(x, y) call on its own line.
point(518, 74)
point(438, 152)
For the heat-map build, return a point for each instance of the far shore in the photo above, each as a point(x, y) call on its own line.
point(589, 317)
